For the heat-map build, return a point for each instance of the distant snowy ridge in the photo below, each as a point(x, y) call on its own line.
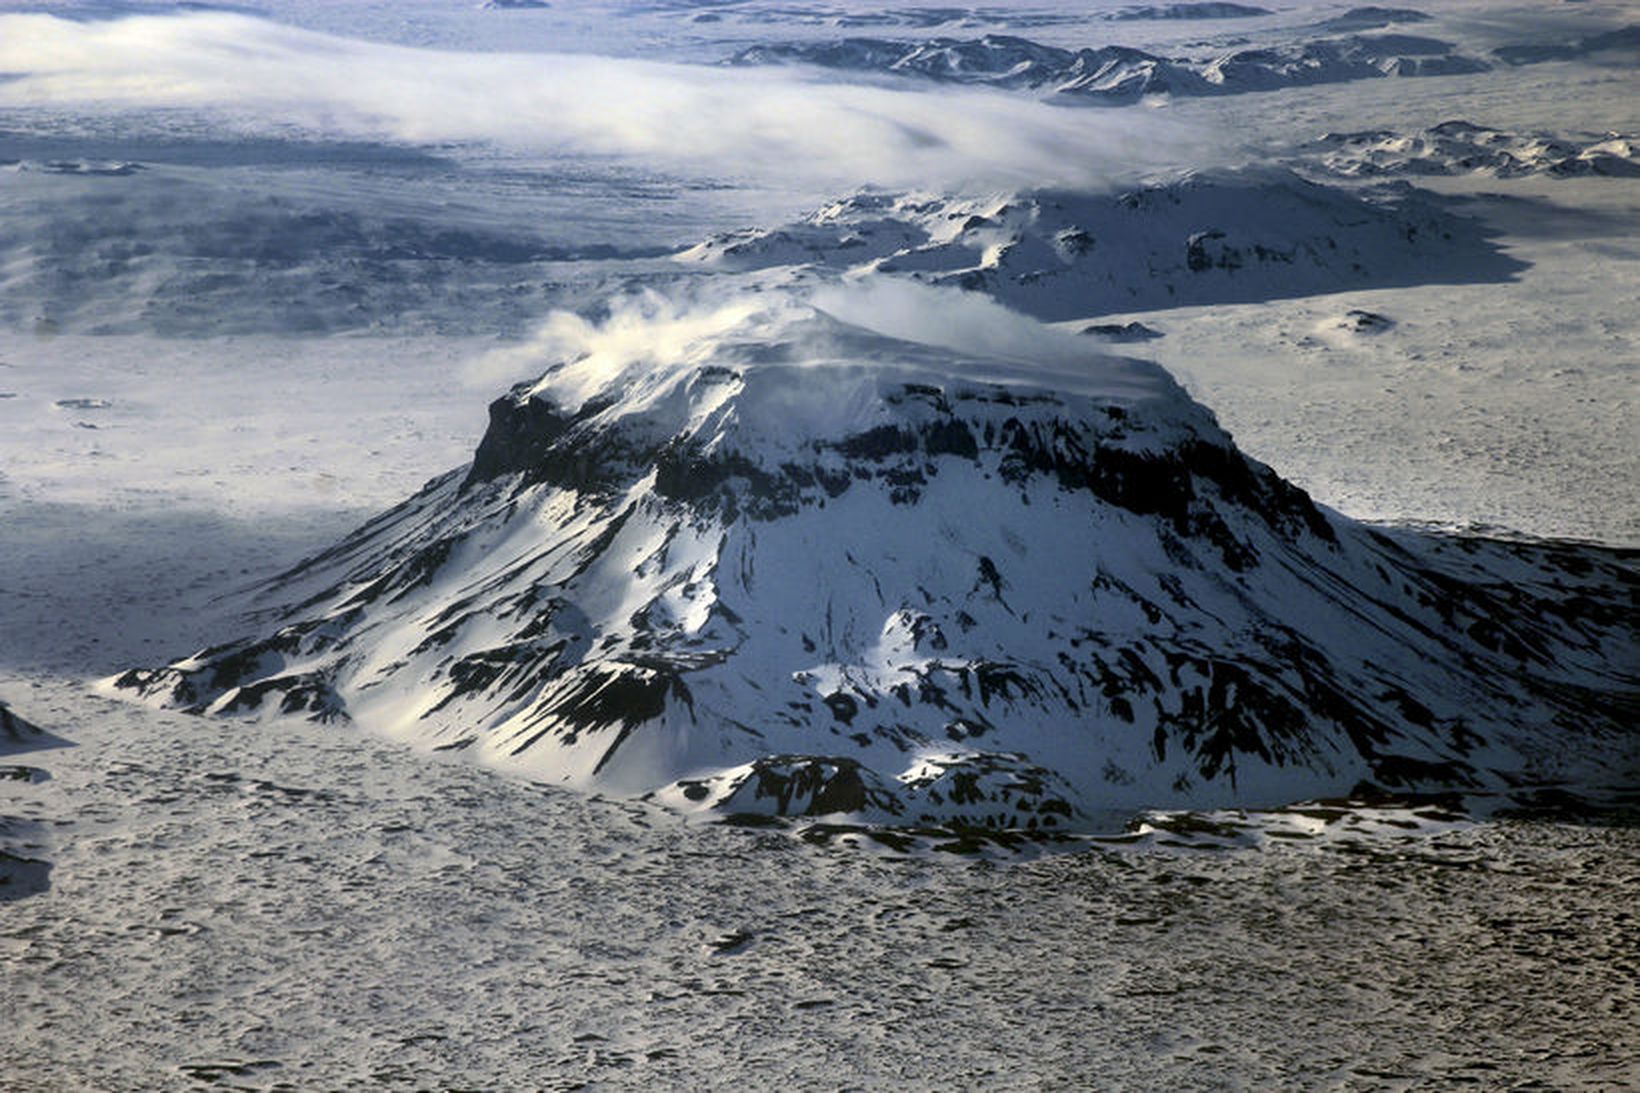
point(1624, 41)
point(1217, 237)
point(804, 557)
point(1371, 17)
point(1120, 75)
point(1461, 147)
point(1202, 9)
point(928, 18)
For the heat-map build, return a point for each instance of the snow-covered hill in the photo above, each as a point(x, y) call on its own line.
point(1210, 9)
point(1217, 237)
point(1121, 75)
point(1462, 147)
point(1371, 17)
point(899, 554)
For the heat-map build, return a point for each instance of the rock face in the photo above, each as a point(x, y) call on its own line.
point(1211, 237)
point(792, 565)
point(1119, 75)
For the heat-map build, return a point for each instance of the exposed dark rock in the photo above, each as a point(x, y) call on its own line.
point(1122, 332)
point(22, 877)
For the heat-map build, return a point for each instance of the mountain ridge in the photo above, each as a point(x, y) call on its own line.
point(1117, 75)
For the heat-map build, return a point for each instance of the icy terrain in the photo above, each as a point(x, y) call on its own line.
point(263, 267)
point(1461, 147)
point(315, 908)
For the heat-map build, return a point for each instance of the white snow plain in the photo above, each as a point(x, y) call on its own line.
point(309, 907)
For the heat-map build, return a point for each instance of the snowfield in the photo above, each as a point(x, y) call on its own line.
point(313, 907)
point(1001, 546)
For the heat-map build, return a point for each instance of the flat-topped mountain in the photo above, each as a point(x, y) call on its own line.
point(782, 557)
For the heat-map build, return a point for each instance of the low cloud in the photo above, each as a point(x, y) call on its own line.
point(773, 125)
point(945, 333)
point(645, 331)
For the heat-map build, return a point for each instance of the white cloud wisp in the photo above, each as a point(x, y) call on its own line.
point(777, 124)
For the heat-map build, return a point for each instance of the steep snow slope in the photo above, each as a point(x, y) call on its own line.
point(776, 557)
point(1210, 237)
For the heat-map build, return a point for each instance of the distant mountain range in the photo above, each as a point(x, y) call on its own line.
point(1461, 147)
point(1119, 75)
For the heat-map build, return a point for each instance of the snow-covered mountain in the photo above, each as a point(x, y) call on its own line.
point(1219, 237)
point(1121, 75)
point(1462, 147)
point(1371, 17)
point(896, 553)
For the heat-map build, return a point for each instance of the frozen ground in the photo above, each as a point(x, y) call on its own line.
point(257, 905)
point(1504, 406)
point(311, 907)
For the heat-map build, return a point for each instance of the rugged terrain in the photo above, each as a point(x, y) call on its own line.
point(751, 575)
